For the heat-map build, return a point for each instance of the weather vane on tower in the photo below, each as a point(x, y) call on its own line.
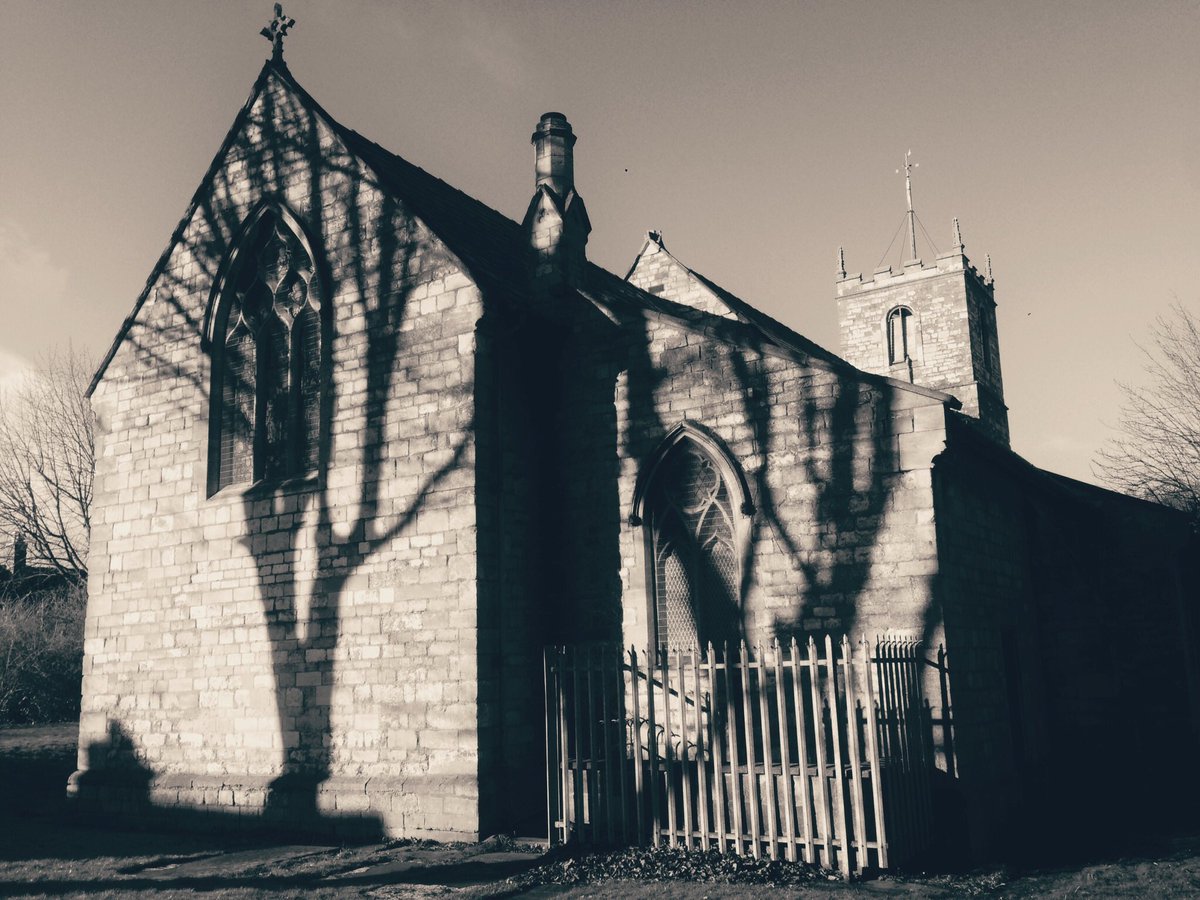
point(276, 30)
point(909, 165)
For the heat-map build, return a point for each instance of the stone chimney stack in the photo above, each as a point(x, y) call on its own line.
point(554, 155)
point(556, 221)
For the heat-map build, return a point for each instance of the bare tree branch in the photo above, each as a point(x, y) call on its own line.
point(1157, 453)
point(47, 460)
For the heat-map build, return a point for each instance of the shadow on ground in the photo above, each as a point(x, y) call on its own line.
point(46, 851)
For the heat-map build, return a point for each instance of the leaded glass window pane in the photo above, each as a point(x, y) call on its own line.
point(273, 389)
point(237, 409)
point(306, 372)
point(695, 561)
point(267, 422)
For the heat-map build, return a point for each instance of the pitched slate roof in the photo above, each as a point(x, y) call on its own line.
point(495, 248)
point(965, 440)
point(487, 241)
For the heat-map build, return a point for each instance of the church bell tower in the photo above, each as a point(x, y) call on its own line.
point(928, 324)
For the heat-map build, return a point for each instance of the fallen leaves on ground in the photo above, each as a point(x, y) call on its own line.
point(669, 864)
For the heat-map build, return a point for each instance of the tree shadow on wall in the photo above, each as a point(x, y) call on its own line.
point(309, 538)
point(824, 470)
point(825, 523)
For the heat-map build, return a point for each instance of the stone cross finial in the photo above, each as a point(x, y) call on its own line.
point(841, 262)
point(276, 30)
point(958, 244)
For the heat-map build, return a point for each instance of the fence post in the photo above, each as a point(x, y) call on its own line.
point(856, 782)
point(577, 808)
point(685, 770)
point(702, 791)
point(806, 808)
point(591, 773)
point(826, 816)
point(714, 741)
point(606, 743)
point(620, 726)
point(748, 721)
point(785, 752)
point(652, 743)
point(638, 785)
point(768, 757)
point(735, 768)
point(838, 774)
point(552, 778)
point(669, 792)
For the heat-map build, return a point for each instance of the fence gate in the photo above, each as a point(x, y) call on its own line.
point(812, 753)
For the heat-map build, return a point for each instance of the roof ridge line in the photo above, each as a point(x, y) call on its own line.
point(690, 317)
point(723, 293)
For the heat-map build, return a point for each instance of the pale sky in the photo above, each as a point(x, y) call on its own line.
point(758, 137)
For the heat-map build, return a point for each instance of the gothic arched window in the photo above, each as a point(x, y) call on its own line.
point(266, 390)
point(899, 335)
point(689, 517)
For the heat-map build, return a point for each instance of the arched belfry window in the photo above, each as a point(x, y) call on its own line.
point(690, 518)
point(899, 335)
point(266, 345)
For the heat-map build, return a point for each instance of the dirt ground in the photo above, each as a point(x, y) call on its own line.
point(46, 852)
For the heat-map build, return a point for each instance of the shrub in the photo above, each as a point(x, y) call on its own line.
point(41, 654)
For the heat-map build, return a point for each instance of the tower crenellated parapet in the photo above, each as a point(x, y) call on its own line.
point(954, 261)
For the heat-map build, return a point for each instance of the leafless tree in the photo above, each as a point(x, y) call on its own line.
point(47, 459)
point(1157, 453)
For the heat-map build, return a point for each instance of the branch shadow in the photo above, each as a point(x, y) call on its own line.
point(368, 253)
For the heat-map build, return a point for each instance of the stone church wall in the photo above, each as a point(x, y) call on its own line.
point(842, 537)
point(244, 646)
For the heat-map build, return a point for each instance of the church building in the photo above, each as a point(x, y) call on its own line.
point(366, 446)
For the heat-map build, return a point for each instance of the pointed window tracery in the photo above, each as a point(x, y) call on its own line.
point(693, 550)
point(267, 361)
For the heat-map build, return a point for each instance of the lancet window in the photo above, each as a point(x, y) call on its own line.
point(266, 392)
point(899, 335)
point(691, 530)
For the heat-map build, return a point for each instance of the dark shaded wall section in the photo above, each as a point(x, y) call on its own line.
point(1071, 625)
point(524, 604)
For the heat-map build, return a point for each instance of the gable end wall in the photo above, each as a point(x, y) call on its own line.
point(324, 630)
